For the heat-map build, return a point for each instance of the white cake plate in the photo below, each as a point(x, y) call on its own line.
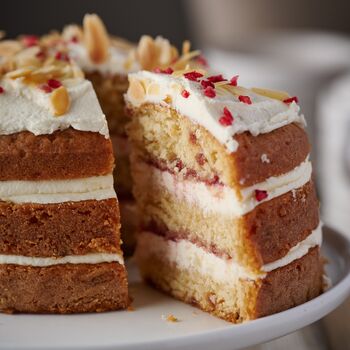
point(147, 328)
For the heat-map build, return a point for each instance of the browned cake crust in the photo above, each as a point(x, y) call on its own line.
point(275, 226)
point(70, 228)
point(63, 288)
point(291, 285)
point(281, 289)
point(66, 154)
point(161, 136)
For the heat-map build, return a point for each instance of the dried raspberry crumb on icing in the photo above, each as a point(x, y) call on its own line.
point(202, 60)
point(30, 40)
point(234, 80)
point(291, 99)
point(226, 119)
point(185, 93)
point(205, 83)
point(193, 76)
point(260, 195)
point(245, 99)
point(46, 88)
point(74, 39)
point(168, 70)
point(209, 92)
point(40, 55)
point(62, 56)
point(216, 78)
point(54, 84)
point(2, 90)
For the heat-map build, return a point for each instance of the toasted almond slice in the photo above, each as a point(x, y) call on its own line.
point(153, 89)
point(19, 73)
point(146, 52)
point(60, 101)
point(186, 47)
point(96, 38)
point(137, 91)
point(9, 47)
point(275, 94)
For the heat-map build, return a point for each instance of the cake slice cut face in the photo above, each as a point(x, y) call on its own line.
point(222, 180)
point(59, 216)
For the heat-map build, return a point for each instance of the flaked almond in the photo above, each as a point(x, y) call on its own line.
point(146, 52)
point(28, 57)
point(153, 89)
point(136, 91)
point(60, 101)
point(164, 51)
point(96, 38)
point(275, 94)
point(19, 73)
point(9, 47)
point(186, 47)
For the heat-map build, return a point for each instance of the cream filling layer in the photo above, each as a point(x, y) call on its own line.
point(220, 198)
point(97, 258)
point(58, 191)
point(188, 256)
point(262, 116)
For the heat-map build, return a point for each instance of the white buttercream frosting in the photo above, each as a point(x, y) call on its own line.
point(188, 256)
point(93, 258)
point(262, 116)
point(25, 107)
point(57, 191)
point(118, 61)
point(223, 199)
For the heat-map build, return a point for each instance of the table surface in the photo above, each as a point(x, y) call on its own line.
point(330, 333)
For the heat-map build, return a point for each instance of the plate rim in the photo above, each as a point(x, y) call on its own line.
point(330, 300)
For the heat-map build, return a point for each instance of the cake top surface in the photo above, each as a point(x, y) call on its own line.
point(41, 94)
point(216, 103)
point(94, 49)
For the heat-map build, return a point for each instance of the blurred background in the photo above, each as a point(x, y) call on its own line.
point(302, 47)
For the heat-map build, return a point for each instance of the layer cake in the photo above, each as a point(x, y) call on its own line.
point(59, 216)
point(229, 217)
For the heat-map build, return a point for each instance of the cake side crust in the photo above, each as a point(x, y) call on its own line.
point(67, 154)
point(70, 228)
point(63, 288)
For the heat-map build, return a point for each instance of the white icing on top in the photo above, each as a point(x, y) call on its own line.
point(57, 191)
point(93, 258)
point(189, 256)
point(262, 116)
point(118, 61)
point(220, 198)
point(27, 108)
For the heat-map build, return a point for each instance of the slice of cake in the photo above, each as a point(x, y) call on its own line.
point(106, 61)
point(59, 216)
point(222, 179)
